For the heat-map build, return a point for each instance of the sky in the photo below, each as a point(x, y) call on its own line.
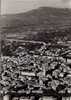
point(0, 6)
point(18, 6)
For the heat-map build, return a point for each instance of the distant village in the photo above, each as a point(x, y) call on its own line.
point(34, 70)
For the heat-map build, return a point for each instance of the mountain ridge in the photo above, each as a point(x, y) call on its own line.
point(42, 11)
point(36, 21)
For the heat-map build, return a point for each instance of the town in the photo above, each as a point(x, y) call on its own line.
point(35, 70)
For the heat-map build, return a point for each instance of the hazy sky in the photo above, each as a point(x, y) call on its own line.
point(17, 6)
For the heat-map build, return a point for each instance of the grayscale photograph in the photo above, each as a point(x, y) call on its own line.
point(35, 49)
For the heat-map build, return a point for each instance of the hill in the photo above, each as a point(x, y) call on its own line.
point(38, 21)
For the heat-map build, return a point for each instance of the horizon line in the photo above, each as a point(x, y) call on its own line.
point(1, 14)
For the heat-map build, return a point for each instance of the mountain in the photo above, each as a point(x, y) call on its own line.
point(37, 21)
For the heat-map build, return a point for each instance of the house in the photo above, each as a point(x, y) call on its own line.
point(67, 56)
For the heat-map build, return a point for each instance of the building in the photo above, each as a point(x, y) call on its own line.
point(67, 56)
